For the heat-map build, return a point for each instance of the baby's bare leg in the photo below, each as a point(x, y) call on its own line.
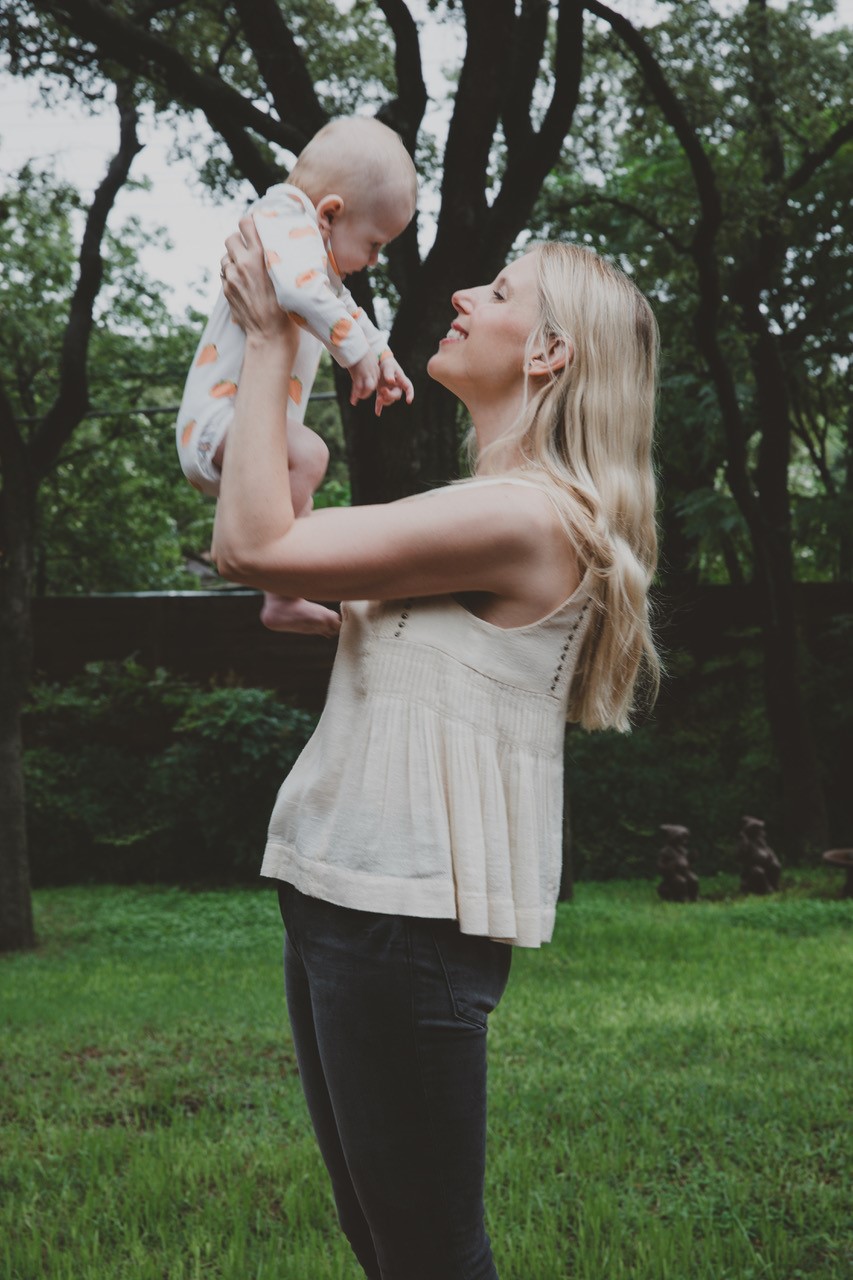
point(308, 457)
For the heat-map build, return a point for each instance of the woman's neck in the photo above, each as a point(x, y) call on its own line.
point(493, 419)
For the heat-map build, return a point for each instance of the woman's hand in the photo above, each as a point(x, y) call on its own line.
point(248, 289)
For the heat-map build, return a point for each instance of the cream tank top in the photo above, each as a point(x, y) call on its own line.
point(432, 785)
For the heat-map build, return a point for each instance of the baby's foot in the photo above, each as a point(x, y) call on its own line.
point(280, 613)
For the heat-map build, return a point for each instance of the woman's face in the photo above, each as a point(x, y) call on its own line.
point(483, 353)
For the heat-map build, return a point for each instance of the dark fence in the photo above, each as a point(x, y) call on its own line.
point(200, 634)
point(218, 634)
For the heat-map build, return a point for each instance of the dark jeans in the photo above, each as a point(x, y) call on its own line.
point(389, 1020)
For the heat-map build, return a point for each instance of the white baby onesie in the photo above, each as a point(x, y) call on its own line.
point(308, 286)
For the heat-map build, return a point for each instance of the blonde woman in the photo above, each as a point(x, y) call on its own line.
point(418, 836)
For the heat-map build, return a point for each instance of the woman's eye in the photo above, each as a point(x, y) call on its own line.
point(496, 293)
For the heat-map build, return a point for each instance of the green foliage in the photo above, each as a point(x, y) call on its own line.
point(133, 775)
point(668, 1094)
point(115, 514)
point(625, 188)
point(350, 62)
point(705, 758)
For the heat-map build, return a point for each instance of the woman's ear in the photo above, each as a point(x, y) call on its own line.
point(557, 354)
point(328, 209)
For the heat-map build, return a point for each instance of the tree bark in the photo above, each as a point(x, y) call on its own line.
point(22, 465)
point(17, 522)
point(803, 799)
point(845, 546)
point(763, 499)
point(763, 257)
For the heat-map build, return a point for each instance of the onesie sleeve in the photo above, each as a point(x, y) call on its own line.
point(377, 339)
point(298, 267)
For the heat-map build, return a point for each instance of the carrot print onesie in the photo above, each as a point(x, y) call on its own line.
point(308, 286)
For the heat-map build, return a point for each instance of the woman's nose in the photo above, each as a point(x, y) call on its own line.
point(461, 300)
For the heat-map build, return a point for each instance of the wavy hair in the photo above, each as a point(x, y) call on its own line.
point(586, 431)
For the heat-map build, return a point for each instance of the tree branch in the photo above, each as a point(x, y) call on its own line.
point(282, 65)
point(531, 31)
point(72, 398)
point(475, 115)
point(595, 198)
point(16, 486)
point(11, 441)
point(528, 165)
point(704, 253)
point(406, 111)
point(144, 54)
point(763, 97)
point(812, 162)
point(700, 166)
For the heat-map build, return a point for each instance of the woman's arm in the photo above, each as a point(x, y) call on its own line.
point(502, 539)
point(255, 501)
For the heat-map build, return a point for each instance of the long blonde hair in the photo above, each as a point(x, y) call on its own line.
point(586, 432)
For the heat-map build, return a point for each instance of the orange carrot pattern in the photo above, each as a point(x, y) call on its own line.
point(272, 258)
point(295, 391)
point(208, 354)
point(298, 233)
point(339, 330)
point(187, 432)
point(305, 278)
point(223, 390)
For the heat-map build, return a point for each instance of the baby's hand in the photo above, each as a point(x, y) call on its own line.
point(393, 384)
point(365, 375)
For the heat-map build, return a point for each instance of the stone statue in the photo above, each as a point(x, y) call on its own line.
point(679, 883)
point(760, 869)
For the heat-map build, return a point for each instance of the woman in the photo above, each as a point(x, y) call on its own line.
point(419, 833)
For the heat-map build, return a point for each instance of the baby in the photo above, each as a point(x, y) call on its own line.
point(351, 191)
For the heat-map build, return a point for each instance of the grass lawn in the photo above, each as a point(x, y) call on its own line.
point(670, 1093)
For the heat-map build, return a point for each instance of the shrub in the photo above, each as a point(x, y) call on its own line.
point(138, 775)
point(703, 759)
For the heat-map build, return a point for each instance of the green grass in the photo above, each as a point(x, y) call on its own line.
point(670, 1094)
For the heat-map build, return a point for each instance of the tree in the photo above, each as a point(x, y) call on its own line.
point(265, 74)
point(113, 512)
point(26, 457)
point(253, 71)
point(724, 180)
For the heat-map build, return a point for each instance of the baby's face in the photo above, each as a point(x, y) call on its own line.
point(360, 231)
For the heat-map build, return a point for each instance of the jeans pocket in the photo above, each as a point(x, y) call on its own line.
point(475, 969)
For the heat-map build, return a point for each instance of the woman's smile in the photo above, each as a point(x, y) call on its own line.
point(454, 334)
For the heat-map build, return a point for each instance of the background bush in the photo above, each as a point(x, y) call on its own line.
point(138, 775)
point(134, 775)
point(704, 759)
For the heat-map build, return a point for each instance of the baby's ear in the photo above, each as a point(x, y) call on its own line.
point(556, 356)
point(328, 209)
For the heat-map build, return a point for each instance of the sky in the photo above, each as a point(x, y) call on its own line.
point(78, 145)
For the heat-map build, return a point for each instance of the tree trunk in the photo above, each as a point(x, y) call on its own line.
point(416, 447)
point(16, 526)
point(408, 449)
point(845, 538)
point(804, 803)
point(803, 800)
